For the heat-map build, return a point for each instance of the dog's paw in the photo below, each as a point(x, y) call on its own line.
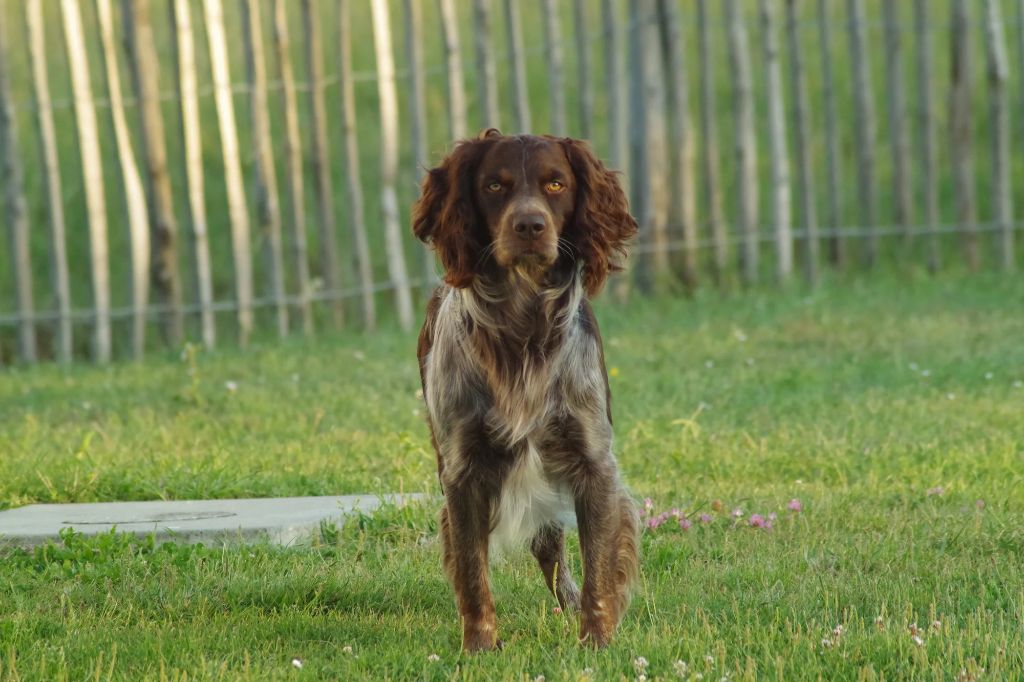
point(480, 639)
point(595, 631)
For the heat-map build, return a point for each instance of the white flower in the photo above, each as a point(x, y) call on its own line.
point(1018, 384)
point(231, 386)
point(359, 355)
point(640, 664)
point(433, 658)
point(539, 678)
point(346, 649)
point(826, 642)
point(837, 631)
point(297, 663)
point(926, 372)
point(988, 376)
point(913, 366)
point(936, 625)
point(709, 364)
point(917, 640)
point(709, 659)
point(951, 396)
point(681, 668)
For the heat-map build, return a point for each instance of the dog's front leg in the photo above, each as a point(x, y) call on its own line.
point(465, 527)
point(608, 526)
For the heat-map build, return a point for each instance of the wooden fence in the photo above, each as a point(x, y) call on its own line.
point(758, 138)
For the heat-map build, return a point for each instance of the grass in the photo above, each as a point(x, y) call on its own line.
point(890, 408)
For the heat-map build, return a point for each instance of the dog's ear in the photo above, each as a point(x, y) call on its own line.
point(445, 216)
point(601, 224)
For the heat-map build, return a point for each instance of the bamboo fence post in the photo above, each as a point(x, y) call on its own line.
point(833, 195)
point(960, 122)
point(746, 143)
point(926, 130)
point(145, 70)
point(613, 77)
point(897, 115)
point(353, 179)
point(12, 176)
point(998, 69)
point(781, 192)
point(134, 192)
point(709, 149)
point(268, 215)
point(864, 128)
point(388, 95)
point(486, 71)
point(418, 113)
point(237, 206)
point(805, 186)
point(323, 186)
point(191, 140)
point(586, 87)
point(293, 160)
point(641, 199)
point(520, 89)
point(555, 68)
point(453, 69)
point(92, 174)
point(51, 176)
point(682, 207)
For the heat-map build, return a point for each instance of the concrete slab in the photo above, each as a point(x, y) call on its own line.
point(282, 520)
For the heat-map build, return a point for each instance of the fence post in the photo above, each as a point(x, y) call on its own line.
point(555, 67)
point(453, 70)
point(1001, 142)
point(388, 97)
point(833, 195)
point(682, 207)
point(486, 71)
point(92, 175)
point(134, 192)
point(709, 148)
point(418, 113)
point(781, 193)
point(520, 90)
point(960, 123)
point(145, 72)
point(293, 164)
point(268, 214)
point(17, 216)
point(190, 130)
point(864, 128)
point(805, 186)
point(51, 176)
point(897, 114)
point(237, 207)
point(614, 94)
point(926, 130)
point(353, 179)
point(323, 185)
point(583, 78)
point(746, 143)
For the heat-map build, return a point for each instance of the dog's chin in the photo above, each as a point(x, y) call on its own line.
point(529, 264)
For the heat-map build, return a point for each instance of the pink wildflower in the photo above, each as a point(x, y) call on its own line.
point(706, 518)
point(795, 506)
point(648, 505)
point(936, 491)
point(757, 521)
point(684, 523)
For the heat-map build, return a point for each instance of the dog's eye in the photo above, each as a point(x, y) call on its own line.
point(494, 187)
point(554, 186)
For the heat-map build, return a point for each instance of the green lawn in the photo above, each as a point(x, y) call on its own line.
point(893, 410)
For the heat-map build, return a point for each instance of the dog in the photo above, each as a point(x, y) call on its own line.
point(512, 366)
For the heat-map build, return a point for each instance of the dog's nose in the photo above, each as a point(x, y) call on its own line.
point(529, 226)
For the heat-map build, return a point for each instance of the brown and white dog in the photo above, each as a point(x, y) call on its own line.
point(513, 371)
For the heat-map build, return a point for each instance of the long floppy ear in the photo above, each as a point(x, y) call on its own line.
point(601, 223)
point(445, 215)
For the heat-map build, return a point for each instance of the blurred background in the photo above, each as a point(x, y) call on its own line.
point(208, 171)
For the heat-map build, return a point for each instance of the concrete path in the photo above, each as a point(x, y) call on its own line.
point(282, 520)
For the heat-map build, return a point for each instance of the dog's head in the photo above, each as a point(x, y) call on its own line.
point(524, 203)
